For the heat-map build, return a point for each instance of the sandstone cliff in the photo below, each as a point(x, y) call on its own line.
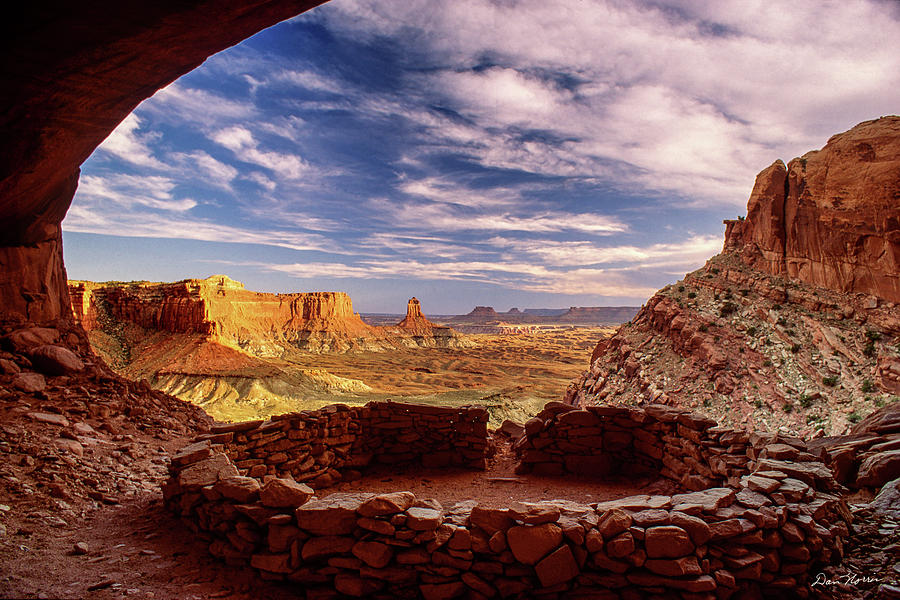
point(795, 324)
point(830, 218)
point(220, 308)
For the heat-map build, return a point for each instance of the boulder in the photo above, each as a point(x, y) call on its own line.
point(324, 546)
point(29, 382)
point(667, 541)
point(878, 469)
point(284, 493)
point(420, 518)
point(558, 567)
point(374, 554)
point(387, 504)
point(55, 360)
point(206, 472)
point(239, 488)
point(332, 515)
point(531, 543)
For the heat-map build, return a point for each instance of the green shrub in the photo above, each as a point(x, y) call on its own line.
point(870, 349)
point(781, 321)
point(704, 328)
point(805, 400)
point(873, 336)
point(854, 417)
point(795, 348)
point(776, 307)
point(692, 295)
point(830, 381)
point(788, 407)
point(867, 387)
point(715, 270)
point(758, 404)
point(767, 363)
point(745, 293)
point(751, 331)
point(727, 309)
point(680, 288)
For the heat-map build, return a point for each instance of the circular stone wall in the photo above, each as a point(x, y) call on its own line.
point(766, 524)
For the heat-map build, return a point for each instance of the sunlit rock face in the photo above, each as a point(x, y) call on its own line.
point(70, 72)
point(224, 311)
point(830, 218)
point(795, 323)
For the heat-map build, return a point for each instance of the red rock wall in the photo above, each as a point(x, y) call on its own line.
point(217, 306)
point(70, 73)
point(830, 218)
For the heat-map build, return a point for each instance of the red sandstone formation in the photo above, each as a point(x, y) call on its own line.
point(831, 218)
point(416, 329)
point(795, 323)
point(220, 308)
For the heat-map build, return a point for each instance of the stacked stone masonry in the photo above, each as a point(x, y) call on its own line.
point(332, 444)
point(764, 529)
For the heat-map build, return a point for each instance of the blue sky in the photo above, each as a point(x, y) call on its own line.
point(516, 153)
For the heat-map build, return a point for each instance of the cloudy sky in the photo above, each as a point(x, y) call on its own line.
point(504, 152)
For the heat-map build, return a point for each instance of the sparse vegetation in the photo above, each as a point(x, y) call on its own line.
point(795, 348)
point(745, 293)
point(767, 363)
point(870, 349)
point(873, 336)
point(751, 331)
point(867, 387)
point(806, 400)
point(727, 309)
point(854, 417)
point(788, 408)
point(692, 295)
point(704, 328)
point(781, 321)
point(680, 288)
point(758, 404)
point(830, 381)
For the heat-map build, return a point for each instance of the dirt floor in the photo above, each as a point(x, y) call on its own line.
point(136, 549)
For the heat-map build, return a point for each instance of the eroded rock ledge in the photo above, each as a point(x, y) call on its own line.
point(768, 526)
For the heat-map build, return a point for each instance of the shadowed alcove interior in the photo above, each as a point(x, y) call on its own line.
point(70, 74)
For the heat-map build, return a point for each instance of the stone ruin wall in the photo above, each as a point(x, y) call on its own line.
point(765, 527)
point(330, 445)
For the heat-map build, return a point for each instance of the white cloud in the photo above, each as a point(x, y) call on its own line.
point(85, 218)
point(127, 143)
point(512, 275)
point(217, 173)
point(245, 147)
point(689, 253)
point(128, 191)
point(443, 217)
point(193, 106)
point(689, 97)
